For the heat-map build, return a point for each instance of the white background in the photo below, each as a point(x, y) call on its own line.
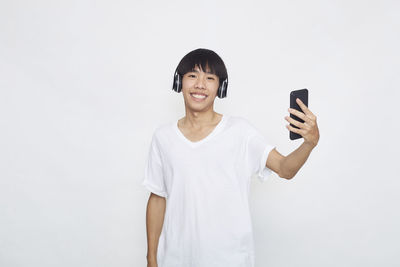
point(85, 83)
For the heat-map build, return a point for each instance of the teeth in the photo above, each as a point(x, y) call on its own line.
point(199, 96)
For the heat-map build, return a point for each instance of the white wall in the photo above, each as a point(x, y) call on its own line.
point(84, 84)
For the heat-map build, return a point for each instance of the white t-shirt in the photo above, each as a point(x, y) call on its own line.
point(206, 184)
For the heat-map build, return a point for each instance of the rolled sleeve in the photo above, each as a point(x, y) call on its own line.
point(153, 174)
point(264, 172)
point(257, 153)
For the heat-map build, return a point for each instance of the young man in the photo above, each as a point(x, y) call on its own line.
point(199, 169)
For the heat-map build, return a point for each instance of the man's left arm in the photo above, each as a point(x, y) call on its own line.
point(287, 167)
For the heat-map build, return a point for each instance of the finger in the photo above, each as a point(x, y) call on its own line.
point(295, 130)
point(304, 107)
point(295, 122)
point(299, 114)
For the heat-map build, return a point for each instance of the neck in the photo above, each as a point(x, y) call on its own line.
point(194, 119)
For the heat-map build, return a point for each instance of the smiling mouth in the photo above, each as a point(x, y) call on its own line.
point(198, 97)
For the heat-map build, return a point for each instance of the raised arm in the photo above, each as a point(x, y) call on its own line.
point(287, 167)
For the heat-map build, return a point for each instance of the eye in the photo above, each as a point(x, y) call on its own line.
point(212, 78)
point(191, 75)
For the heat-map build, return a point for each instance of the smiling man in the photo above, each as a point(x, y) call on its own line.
point(199, 168)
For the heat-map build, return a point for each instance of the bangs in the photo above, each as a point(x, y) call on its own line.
point(207, 61)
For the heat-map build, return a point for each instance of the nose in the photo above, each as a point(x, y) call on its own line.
point(199, 83)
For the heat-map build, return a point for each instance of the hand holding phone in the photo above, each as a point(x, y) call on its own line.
point(303, 95)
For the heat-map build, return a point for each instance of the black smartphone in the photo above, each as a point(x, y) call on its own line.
point(303, 95)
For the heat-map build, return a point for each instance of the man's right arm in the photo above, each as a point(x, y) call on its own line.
point(154, 222)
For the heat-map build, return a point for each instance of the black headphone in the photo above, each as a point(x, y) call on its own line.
point(177, 85)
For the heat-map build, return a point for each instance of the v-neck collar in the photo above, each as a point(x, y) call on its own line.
point(216, 129)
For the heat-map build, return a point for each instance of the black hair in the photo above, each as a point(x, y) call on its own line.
point(203, 58)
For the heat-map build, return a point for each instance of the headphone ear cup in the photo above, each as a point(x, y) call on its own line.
point(177, 85)
point(223, 89)
point(174, 84)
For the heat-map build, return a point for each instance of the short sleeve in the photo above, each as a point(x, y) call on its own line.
point(153, 173)
point(257, 151)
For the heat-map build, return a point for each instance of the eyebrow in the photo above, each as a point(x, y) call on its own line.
point(199, 71)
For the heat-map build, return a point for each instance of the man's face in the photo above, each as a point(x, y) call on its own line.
point(199, 88)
